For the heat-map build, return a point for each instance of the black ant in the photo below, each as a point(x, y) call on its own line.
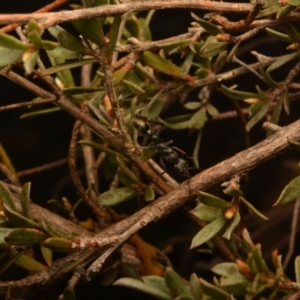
point(167, 153)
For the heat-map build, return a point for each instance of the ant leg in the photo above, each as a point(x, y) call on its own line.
point(182, 152)
point(162, 164)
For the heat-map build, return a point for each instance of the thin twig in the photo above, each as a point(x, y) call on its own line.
point(46, 8)
point(43, 168)
point(28, 103)
point(50, 19)
point(294, 224)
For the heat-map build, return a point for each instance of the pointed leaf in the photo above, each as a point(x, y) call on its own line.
point(9, 261)
point(25, 199)
point(277, 112)
point(70, 42)
point(226, 269)
point(187, 64)
point(149, 194)
point(293, 33)
point(63, 53)
point(113, 35)
point(25, 237)
point(278, 35)
point(253, 210)
point(68, 65)
point(232, 225)
point(212, 49)
point(239, 95)
point(161, 64)
point(212, 200)
point(192, 105)
point(196, 287)
point(284, 11)
point(3, 233)
point(90, 29)
point(290, 192)
point(30, 62)
point(157, 282)
point(258, 116)
point(281, 61)
point(140, 286)
point(175, 283)
point(233, 52)
point(209, 231)
point(80, 90)
point(198, 120)
point(33, 26)
point(59, 244)
point(116, 196)
point(213, 291)
point(47, 255)
point(6, 197)
point(208, 26)
point(294, 2)
point(29, 264)
point(207, 213)
point(18, 219)
point(10, 42)
point(295, 145)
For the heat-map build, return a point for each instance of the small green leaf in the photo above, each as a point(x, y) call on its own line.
point(297, 268)
point(226, 269)
point(192, 105)
point(10, 261)
point(3, 233)
point(284, 11)
point(175, 283)
point(196, 287)
point(140, 286)
point(53, 230)
point(198, 120)
point(149, 194)
point(156, 282)
point(29, 264)
point(116, 196)
point(209, 231)
point(281, 61)
point(18, 219)
point(58, 205)
point(233, 52)
point(278, 35)
point(68, 65)
point(49, 45)
point(134, 87)
point(213, 291)
point(47, 255)
point(70, 42)
point(179, 125)
point(161, 64)
point(239, 95)
point(213, 201)
point(295, 145)
point(277, 112)
point(187, 64)
point(256, 261)
point(25, 237)
point(30, 62)
point(9, 56)
point(63, 53)
point(207, 213)
point(33, 26)
point(113, 35)
point(290, 192)
point(25, 199)
point(90, 29)
point(10, 42)
point(212, 49)
point(208, 26)
point(293, 33)
point(233, 224)
point(6, 197)
point(253, 210)
point(59, 244)
point(258, 116)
